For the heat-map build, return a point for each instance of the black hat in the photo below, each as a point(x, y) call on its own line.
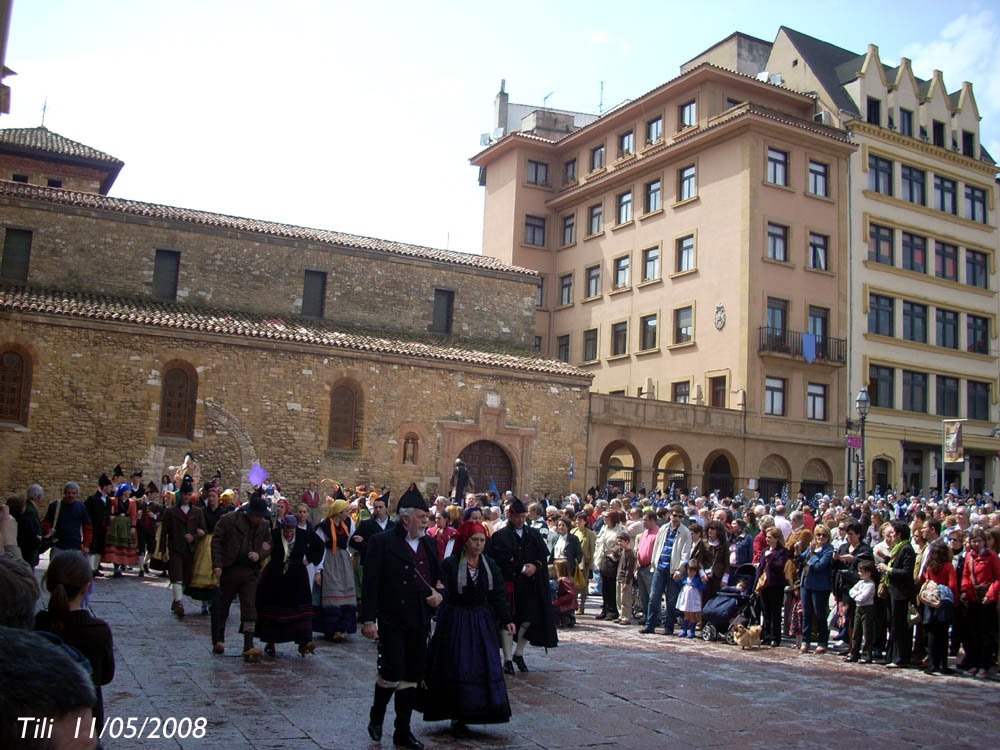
point(103, 481)
point(339, 495)
point(136, 473)
point(516, 506)
point(257, 506)
point(118, 471)
point(151, 487)
point(384, 498)
point(186, 488)
point(412, 499)
point(207, 486)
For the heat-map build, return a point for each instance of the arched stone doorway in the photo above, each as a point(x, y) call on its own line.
point(720, 474)
point(620, 466)
point(816, 477)
point(672, 467)
point(774, 474)
point(488, 464)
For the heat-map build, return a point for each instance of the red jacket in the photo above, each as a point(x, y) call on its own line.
point(945, 575)
point(987, 569)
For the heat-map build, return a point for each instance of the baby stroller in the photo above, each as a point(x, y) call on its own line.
point(564, 601)
point(732, 606)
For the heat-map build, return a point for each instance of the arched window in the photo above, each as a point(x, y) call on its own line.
point(410, 443)
point(178, 399)
point(345, 418)
point(15, 386)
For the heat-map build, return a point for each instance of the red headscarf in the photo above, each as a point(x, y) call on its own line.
point(465, 531)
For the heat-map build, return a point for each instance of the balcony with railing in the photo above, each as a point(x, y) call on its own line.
point(797, 344)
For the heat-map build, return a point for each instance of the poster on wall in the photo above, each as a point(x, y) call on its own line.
point(953, 451)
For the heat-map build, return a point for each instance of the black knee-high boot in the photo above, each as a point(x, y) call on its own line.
point(377, 714)
point(402, 735)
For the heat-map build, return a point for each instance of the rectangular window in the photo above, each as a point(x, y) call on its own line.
point(314, 294)
point(944, 195)
point(593, 281)
point(947, 329)
point(626, 144)
point(625, 207)
point(977, 331)
point(774, 396)
point(19, 178)
point(597, 157)
point(816, 402)
point(683, 325)
point(914, 322)
point(881, 315)
point(914, 253)
point(166, 271)
point(562, 348)
point(590, 345)
point(619, 338)
point(906, 122)
point(880, 244)
point(680, 392)
point(53, 183)
point(654, 130)
point(937, 132)
point(647, 331)
point(717, 391)
point(687, 115)
point(818, 323)
point(534, 231)
point(653, 196)
point(914, 391)
point(818, 246)
point(882, 386)
point(968, 144)
point(777, 316)
point(978, 401)
point(651, 264)
point(777, 242)
point(569, 170)
point(686, 187)
point(975, 268)
point(685, 254)
point(621, 277)
point(947, 396)
point(819, 179)
point(945, 261)
point(777, 167)
point(914, 185)
point(17, 254)
point(538, 344)
point(595, 219)
point(540, 296)
point(880, 175)
point(569, 229)
point(975, 204)
point(566, 289)
point(538, 173)
point(444, 304)
point(874, 111)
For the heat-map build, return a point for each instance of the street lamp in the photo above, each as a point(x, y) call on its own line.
point(863, 403)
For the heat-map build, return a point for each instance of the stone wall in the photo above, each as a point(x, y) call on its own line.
point(77, 248)
point(96, 391)
point(39, 171)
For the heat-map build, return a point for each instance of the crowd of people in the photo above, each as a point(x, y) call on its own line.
point(455, 590)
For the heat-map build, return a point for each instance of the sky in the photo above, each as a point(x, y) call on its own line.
point(362, 117)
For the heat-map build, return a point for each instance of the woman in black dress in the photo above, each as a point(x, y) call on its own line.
point(464, 679)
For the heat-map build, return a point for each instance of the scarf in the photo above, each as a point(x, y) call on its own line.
point(333, 533)
point(895, 551)
point(287, 545)
point(463, 573)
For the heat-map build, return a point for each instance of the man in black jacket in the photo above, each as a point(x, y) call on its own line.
point(401, 578)
point(368, 528)
point(521, 554)
point(99, 509)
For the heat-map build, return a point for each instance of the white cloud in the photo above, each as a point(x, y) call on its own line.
point(599, 36)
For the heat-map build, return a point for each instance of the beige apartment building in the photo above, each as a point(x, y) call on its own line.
point(692, 250)
point(923, 259)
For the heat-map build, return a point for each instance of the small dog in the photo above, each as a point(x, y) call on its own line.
point(747, 637)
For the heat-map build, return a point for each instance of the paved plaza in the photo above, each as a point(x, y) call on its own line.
point(606, 686)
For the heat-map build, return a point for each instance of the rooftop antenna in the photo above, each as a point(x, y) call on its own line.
point(545, 99)
point(45, 106)
point(600, 107)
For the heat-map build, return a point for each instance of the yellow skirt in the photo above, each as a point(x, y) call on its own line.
point(203, 583)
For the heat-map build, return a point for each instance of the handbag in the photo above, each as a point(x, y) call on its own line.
point(579, 578)
point(929, 594)
point(761, 582)
point(981, 591)
point(50, 540)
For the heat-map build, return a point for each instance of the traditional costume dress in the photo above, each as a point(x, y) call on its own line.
point(284, 598)
point(464, 679)
point(99, 509)
point(335, 601)
point(121, 546)
point(179, 522)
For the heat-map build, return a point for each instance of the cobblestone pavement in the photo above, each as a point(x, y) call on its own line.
point(606, 686)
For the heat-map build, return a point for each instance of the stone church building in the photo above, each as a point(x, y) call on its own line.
point(133, 333)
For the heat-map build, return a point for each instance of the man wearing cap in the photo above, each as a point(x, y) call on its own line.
point(402, 575)
point(99, 509)
point(182, 528)
point(240, 541)
point(521, 554)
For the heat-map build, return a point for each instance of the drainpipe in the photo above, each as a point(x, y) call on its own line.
point(850, 305)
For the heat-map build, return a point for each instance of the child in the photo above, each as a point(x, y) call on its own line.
point(626, 574)
point(863, 594)
point(689, 601)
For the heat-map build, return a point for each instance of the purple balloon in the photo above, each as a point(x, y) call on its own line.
point(258, 475)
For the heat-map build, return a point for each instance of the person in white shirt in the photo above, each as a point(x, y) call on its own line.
point(863, 594)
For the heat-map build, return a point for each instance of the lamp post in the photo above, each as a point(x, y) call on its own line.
point(863, 403)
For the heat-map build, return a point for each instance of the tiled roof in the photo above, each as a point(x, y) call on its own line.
point(257, 226)
point(823, 59)
point(43, 139)
point(289, 329)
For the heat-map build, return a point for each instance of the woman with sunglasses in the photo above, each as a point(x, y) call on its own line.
point(817, 583)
